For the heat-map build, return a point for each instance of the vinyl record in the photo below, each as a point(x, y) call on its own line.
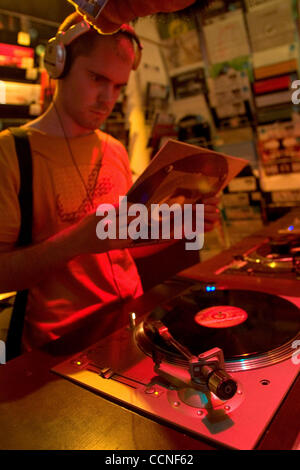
point(242, 323)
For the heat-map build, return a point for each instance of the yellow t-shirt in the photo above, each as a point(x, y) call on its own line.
point(88, 282)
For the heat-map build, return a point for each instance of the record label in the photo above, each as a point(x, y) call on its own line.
point(221, 316)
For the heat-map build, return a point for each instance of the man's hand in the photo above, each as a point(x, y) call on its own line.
point(211, 213)
point(84, 235)
point(84, 239)
point(22, 268)
point(117, 12)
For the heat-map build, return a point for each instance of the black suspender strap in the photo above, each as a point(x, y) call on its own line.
point(23, 151)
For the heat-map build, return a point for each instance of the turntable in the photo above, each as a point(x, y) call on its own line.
point(214, 362)
point(275, 256)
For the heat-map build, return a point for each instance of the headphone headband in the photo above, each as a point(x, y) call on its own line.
point(56, 54)
point(73, 33)
point(129, 31)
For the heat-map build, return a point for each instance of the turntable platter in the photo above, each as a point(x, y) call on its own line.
point(244, 324)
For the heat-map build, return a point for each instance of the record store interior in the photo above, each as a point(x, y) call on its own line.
point(146, 345)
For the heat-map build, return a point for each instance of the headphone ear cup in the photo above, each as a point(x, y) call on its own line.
point(55, 58)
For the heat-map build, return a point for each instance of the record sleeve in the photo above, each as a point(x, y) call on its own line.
point(180, 175)
point(185, 174)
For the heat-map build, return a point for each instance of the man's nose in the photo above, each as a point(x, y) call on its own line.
point(107, 92)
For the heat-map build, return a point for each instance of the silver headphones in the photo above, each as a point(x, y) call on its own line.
point(56, 53)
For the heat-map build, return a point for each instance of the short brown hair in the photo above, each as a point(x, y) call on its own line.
point(84, 44)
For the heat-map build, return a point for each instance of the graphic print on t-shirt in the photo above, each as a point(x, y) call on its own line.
point(73, 199)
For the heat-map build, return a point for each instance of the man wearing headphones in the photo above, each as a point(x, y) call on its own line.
point(69, 272)
point(76, 167)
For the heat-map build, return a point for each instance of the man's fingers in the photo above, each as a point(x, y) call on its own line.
point(211, 210)
point(214, 201)
point(208, 227)
point(212, 214)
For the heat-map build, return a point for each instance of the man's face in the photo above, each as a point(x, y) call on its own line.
point(117, 12)
point(90, 90)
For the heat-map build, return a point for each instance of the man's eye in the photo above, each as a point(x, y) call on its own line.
point(120, 88)
point(95, 77)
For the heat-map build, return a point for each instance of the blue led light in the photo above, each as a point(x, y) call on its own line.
point(210, 288)
point(291, 228)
